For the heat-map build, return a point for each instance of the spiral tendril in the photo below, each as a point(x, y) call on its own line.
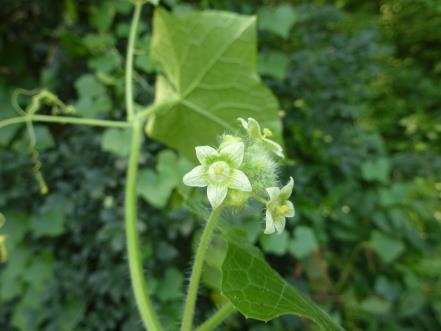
point(40, 98)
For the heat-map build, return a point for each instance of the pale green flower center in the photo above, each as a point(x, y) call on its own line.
point(282, 210)
point(267, 133)
point(218, 171)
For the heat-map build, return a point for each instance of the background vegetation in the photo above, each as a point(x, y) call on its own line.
point(358, 83)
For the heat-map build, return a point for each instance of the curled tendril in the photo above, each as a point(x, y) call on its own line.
point(3, 252)
point(37, 172)
point(40, 98)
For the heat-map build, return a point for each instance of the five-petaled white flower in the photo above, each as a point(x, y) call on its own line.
point(219, 172)
point(278, 207)
point(254, 131)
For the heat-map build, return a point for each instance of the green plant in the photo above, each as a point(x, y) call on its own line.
point(214, 86)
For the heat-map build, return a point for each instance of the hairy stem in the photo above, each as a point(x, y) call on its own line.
point(139, 285)
point(217, 318)
point(129, 60)
point(190, 301)
point(64, 120)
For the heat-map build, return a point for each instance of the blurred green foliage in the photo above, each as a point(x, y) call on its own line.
point(358, 85)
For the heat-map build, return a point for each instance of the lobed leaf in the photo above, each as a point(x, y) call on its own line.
point(208, 62)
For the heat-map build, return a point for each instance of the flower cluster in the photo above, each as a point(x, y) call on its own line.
point(244, 167)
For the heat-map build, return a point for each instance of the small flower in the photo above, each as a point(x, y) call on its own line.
point(219, 172)
point(278, 207)
point(254, 131)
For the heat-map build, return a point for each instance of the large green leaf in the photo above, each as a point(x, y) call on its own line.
point(208, 62)
point(259, 292)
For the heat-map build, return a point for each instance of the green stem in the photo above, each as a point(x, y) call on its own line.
point(156, 107)
point(190, 302)
point(217, 318)
point(129, 60)
point(139, 285)
point(344, 276)
point(64, 120)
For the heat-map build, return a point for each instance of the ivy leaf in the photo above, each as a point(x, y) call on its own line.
point(101, 17)
point(259, 292)
point(170, 285)
point(8, 132)
point(93, 98)
point(50, 220)
point(105, 62)
point(209, 71)
point(44, 138)
point(377, 170)
point(11, 283)
point(304, 243)
point(15, 228)
point(278, 20)
point(116, 141)
point(71, 315)
point(274, 64)
point(375, 305)
point(389, 249)
point(157, 186)
point(275, 244)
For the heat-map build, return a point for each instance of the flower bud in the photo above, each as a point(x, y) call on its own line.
point(260, 167)
point(228, 139)
point(236, 198)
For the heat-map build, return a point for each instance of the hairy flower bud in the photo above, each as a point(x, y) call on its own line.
point(237, 199)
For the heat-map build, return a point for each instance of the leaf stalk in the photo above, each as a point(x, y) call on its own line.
point(217, 318)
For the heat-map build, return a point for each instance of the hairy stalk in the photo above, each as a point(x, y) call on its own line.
point(129, 60)
point(64, 120)
point(192, 293)
point(217, 318)
point(142, 298)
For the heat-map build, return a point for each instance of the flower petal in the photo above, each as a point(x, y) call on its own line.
point(240, 181)
point(291, 210)
point(234, 152)
point(243, 122)
point(273, 193)
point(195, 177)
point(204, 152)
point(286, 191)
point(269, 226)
point(274, 147)
point(279, 224)
point(216, 194)
point(254, 129)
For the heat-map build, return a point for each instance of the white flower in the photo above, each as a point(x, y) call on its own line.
point(254, 131)
point(278, 207)
point(219, 172)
